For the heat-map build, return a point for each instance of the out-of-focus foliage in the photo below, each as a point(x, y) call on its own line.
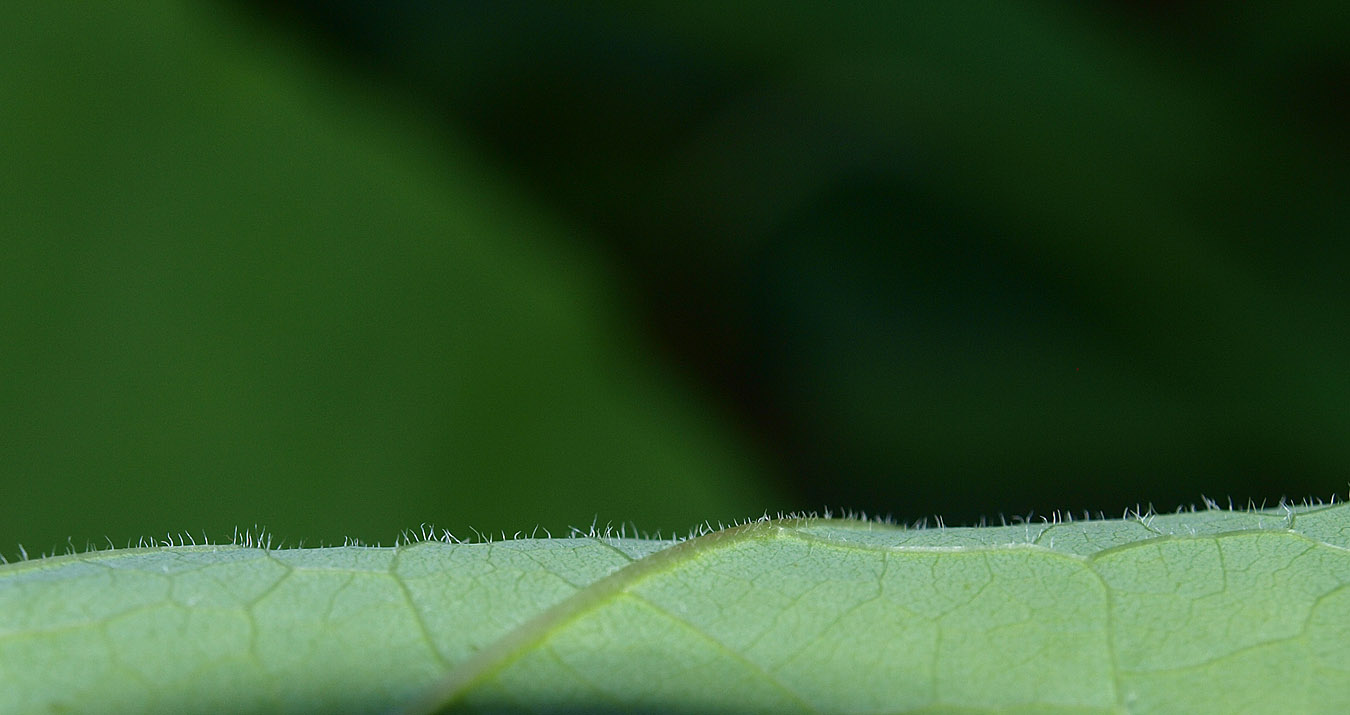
point(948, 257)
point(340, 268)
point(238, 288)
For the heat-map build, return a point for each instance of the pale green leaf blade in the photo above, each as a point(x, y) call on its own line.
point(1210, 611)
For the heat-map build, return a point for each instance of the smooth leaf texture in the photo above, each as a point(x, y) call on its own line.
point(230, 270)
point(1210, 611)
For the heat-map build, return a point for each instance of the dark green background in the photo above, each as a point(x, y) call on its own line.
point(339, 269)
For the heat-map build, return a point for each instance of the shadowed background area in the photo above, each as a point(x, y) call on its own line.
point(340, 269)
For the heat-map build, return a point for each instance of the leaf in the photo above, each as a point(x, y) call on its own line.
point(1210, 611)
point(239, 285)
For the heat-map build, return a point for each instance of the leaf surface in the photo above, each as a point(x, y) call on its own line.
point(242, 285)
point(1211, 611)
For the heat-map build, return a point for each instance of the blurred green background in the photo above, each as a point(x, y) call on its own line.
point(340, 269)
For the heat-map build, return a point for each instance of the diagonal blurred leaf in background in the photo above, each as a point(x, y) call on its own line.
point(238, 288)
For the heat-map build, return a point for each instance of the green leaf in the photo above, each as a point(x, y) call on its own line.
point(1209, 611)
point(239, 285)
